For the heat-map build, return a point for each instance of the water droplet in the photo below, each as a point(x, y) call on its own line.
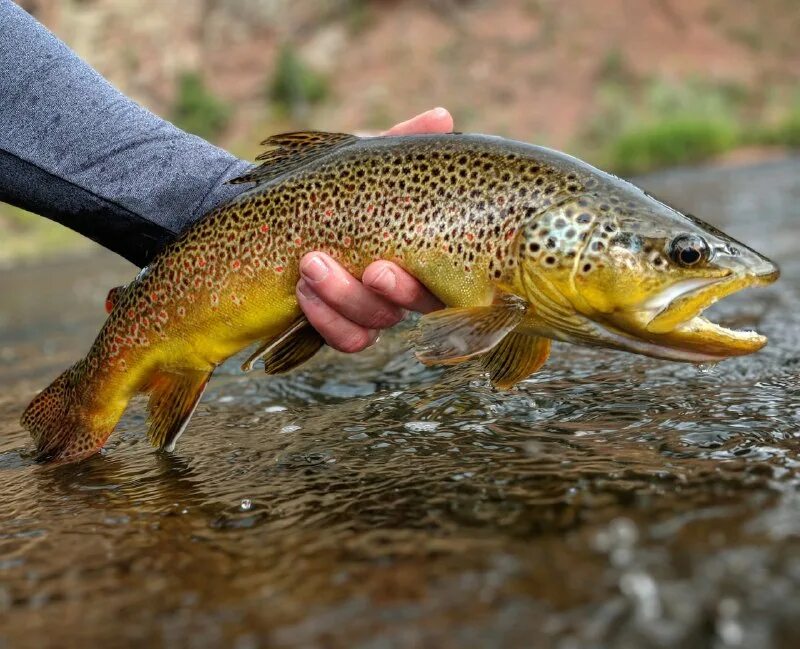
point(706, 368)
point(246, 505)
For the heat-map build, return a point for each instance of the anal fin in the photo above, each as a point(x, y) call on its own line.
point(173, 399)
point(292, 348)
point(452, 336)
point(515, 359)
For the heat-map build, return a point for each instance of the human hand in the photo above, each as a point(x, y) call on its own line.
point(349, 313)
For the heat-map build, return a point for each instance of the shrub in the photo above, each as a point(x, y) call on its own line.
point(295, 86)
point(671, 142)
point(197, 110)
point(788, 131)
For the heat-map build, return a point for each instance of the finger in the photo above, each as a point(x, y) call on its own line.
point(436, 120)
point(339, 332)
point(399, 287)
point(346, 295)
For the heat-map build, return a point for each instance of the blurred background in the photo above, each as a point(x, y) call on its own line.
point(629, 85)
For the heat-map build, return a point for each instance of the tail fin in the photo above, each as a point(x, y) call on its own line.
point(62, 424)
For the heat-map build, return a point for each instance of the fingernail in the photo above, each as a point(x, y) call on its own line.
point(306, 291)
point(439, 112)
point(385, 281)
point(314, 269)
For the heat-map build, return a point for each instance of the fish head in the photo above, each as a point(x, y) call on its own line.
point(617, 268)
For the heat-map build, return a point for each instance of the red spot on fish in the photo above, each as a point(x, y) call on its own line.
point(386, 235)
point(298, 241)
point(470, 236)
point(265, 228)
point(408, 199)
point(370, 207)
point(201, 262)
point(278, 269)
point(109, 304)
point(198, 282)
point(510, 234)
point(131, 313)
point(347, 241)
point(154, 297)
point(236, 264)
point(168, 262)
point(257, 263)
point(328, 213)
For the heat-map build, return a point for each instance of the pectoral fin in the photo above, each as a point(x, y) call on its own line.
point(515, 359)
point(293, 347)
point(173, 399)
point(452, 336)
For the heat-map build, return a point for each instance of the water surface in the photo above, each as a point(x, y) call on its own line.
point(366, 501)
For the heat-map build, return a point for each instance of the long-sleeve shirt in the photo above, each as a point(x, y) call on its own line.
point(76, 150)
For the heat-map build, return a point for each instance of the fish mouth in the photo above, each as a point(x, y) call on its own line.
point(671, 325)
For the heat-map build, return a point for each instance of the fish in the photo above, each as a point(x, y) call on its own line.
point(522, 244)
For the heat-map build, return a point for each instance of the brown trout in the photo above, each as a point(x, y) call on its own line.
point(522, 244)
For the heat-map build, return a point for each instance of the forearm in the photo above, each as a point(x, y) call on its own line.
point(74, 149)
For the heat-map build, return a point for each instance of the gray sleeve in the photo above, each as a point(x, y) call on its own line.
point(74, 149)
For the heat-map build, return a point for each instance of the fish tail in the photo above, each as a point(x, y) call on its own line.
point(66, 423)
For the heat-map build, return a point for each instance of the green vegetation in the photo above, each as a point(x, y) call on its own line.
point(295, 87)
point(785, 133)
point(196, 108)
point(671, 142)
point(646, 124)
point(789, 130)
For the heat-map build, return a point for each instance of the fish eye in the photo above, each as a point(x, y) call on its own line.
point(689, 250)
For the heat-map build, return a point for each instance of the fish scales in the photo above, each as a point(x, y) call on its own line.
point(477, 219)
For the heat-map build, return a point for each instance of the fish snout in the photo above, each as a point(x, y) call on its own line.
point(745, 262)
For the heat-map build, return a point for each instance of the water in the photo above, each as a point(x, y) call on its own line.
point(611, 501)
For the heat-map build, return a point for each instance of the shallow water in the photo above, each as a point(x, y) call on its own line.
point(611, 501)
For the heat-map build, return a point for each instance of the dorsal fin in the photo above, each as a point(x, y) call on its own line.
point(290, 151)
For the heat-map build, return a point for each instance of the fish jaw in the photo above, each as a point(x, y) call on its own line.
point(672, 326)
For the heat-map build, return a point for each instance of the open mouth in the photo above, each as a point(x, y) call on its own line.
point(672, 326)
